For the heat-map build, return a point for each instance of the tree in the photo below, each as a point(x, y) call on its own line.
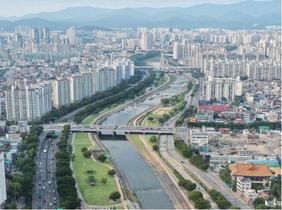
point(190, 186)
point(258, 201)
point(15, 189)
point(11, 205)
point(112, 172)
point(102, 158)
point(104, 180)
point(165, 101)
point(261, 206)
point(87, 154)
point(276, 187)
point(198, 161)
point(153, 139)
point(194, 195)
point(114, 195)
point(220, 200)
point(83, 149)
point(225, 175)
point(201, 203)
point(155, 147)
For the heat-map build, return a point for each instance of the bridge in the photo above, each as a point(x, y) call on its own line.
point(118, 130)
point(182, 68)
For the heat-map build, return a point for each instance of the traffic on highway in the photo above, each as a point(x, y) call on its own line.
point(45, 184)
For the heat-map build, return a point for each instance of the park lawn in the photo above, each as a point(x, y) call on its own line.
point(163, 110)
point(98, 194)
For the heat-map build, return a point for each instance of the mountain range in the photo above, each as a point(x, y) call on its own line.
point(247, 14)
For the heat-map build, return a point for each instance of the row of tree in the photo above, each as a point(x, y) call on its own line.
point(185, 115)
point(198, 199)
point(21, 184)
point(193, 194)
point(64, 110)
point(219, 199)
point(192, 154)
point(66, 188)
point(116, 97)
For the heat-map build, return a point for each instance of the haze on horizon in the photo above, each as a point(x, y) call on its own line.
point(22, 7)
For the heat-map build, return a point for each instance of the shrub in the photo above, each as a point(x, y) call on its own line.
point(114, 195)
point(87, 154)
point(112, 172)
point(102, 158)
point(83, 149)
point(155, 147)
point(153, 139)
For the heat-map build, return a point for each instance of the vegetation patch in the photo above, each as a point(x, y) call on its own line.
point(93, 178)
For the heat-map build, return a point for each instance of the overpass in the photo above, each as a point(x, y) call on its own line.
point(118, 130)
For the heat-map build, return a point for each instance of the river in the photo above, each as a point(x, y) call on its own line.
point(140, 176)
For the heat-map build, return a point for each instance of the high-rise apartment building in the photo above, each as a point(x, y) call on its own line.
point(222, 88)
point(28, 101)
point(35, 36)
point(60, 92)
point(3, 191)
point(147, 40)
point(46, 36)
point(71, 35)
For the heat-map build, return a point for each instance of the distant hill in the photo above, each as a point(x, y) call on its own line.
point(247, 14)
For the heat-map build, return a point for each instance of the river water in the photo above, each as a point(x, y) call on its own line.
point(140, 176)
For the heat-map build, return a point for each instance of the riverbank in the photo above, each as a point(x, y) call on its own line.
point(87, 192)
point(84, 168)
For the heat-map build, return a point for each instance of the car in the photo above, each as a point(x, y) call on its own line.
point(49, 182)
point(45, 150)
point(43, 187)
point(51, 204)
point(182, 161)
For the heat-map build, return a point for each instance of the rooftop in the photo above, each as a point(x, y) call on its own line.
point(250, 170)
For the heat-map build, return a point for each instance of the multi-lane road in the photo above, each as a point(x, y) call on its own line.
point(45, 185)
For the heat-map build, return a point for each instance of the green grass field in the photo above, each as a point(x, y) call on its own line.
point(93, 195)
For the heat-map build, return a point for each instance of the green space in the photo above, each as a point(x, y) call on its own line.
point(193, 156)
point(140, 59)
point(86, 169)
point(219, 199)
point(198, 199)
point(68, 197)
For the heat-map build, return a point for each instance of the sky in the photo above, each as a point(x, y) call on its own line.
point(22, 7)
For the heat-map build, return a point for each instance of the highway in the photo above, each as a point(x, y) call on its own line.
point(45, 187)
